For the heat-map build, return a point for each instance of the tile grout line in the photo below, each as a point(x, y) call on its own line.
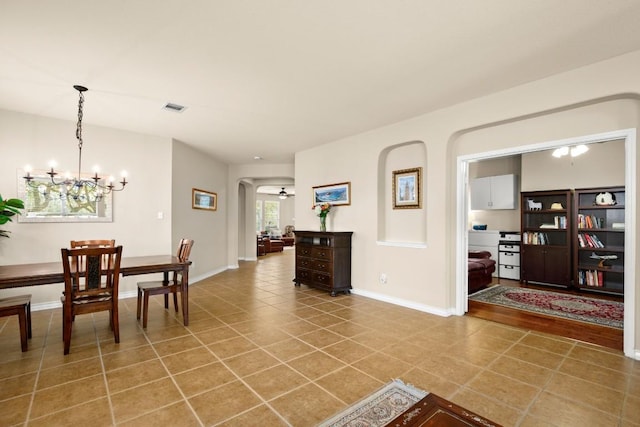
point(104, 371)
point(35, 383)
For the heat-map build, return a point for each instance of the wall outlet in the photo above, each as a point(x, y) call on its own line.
point(383, 278)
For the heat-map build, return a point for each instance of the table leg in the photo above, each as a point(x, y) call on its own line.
point(165, 282)
point(185, 295)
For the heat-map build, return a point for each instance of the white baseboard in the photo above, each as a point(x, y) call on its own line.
point(404, 303)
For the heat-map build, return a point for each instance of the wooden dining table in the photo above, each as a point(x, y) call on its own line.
point(47, 273)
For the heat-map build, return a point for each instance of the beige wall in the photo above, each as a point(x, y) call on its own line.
point(193, 169)
point(601, 166)
point(586, 101)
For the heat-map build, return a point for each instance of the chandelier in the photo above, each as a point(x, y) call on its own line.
point(77, 188)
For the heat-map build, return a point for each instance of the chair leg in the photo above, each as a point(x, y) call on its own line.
point(67, 322)
point(145, 309)
point(22, 319)
point(175, 300)
point(115, 322)
point(139, 303)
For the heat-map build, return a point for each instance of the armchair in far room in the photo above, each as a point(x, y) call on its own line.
point(480, 268)
point(288, 237)
point(272, 245)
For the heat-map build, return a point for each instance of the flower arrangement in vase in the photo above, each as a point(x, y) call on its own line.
point(322, 210)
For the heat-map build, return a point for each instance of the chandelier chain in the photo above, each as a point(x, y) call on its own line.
point(79, 127)
point(79, 132)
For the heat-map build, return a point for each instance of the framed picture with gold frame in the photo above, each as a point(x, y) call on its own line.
point(407, 188)
point(202, 199)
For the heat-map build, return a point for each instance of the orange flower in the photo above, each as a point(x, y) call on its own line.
point(322, 209)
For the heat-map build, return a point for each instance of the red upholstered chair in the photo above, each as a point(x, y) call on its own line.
point(159, 287)
point(20, 306)
point(480, 269)
point(91, 278)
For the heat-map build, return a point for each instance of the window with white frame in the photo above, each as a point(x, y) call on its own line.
point(258, 216)
point(267, 215)
point(271, 215)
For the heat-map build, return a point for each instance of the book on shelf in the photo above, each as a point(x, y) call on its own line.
point(591, 278)
point(535, 238)
point(589, 221)
point(586, 240)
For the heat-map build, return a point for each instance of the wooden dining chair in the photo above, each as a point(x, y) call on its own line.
point(91, 277)
point(98, 243)
point(21, 306)
point(162, 287)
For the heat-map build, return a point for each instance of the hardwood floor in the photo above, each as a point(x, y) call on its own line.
point(599, 335)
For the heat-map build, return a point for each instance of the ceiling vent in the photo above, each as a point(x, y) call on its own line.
point(169, 106)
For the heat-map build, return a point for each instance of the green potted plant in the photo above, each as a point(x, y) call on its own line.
point(9, 208)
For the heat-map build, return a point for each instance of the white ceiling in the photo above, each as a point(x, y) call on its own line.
point(271, 77)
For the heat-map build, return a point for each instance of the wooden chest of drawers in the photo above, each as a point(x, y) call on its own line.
point(323, 260)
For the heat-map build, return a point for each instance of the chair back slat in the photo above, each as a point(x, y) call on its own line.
point(96, 243)
point(184, 249)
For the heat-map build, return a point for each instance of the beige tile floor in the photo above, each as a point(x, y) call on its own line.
point(260, 352)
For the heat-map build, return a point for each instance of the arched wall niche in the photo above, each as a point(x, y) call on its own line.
point(401, 227)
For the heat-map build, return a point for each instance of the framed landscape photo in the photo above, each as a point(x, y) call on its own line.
point(202, 199)
point(334, 194)
point(407, 188)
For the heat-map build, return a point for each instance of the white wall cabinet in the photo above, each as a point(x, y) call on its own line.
point(494, 192)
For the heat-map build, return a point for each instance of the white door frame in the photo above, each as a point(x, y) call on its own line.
point(629, 135)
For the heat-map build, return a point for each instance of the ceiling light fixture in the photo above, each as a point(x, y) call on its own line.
point(283, 194)
point(575, 151)
point(77, 188)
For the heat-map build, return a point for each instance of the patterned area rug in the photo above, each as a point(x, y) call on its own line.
point(584, 309)
point(379, 408)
